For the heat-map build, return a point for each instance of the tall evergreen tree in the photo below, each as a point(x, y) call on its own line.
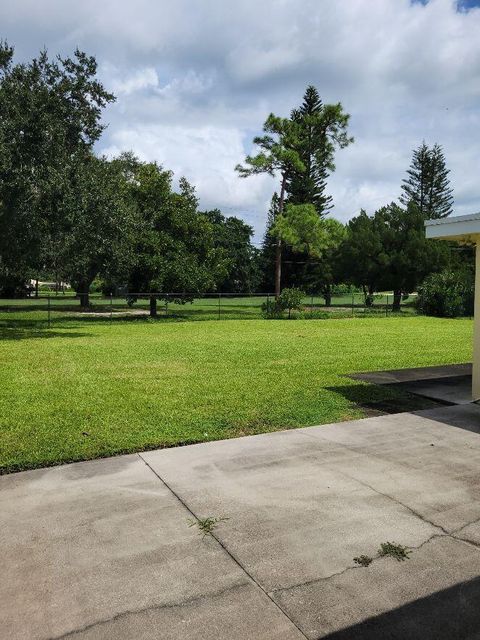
point(440, 198)
point(427, 184)
point(322, 128)
point(278, 154)
point(309, 137)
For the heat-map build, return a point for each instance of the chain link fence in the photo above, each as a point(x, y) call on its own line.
point(48, 310)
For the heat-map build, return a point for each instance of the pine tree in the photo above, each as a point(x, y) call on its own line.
point(440, 198)
point(322, 128)
point(311, 134)
point(310, 186)
point(427, 184)
point(278, 154)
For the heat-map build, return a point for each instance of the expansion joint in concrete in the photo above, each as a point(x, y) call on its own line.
point(223, 546)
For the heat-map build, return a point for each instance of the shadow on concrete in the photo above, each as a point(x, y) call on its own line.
point(452, 613)
point(447, 384)
point(463, 416)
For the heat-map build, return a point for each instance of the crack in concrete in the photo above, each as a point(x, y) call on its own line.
point(397, 501)
point(224, 547)
point(353, 567)
point(466, 540)
point(390, 497)
point(154, 607)
point(455, 531)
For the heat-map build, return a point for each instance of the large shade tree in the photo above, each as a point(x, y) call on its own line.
point(173, 243)
point(50, 119)
point(98, 226)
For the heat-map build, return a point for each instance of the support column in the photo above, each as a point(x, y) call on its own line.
point(476, 328)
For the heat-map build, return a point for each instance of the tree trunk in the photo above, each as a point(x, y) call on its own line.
point(278, 268)
point(278, 248)
point(36, 288)
point(366, 296)
point(153, 306)
point(84, 299)
point(327, 295)
point(82, 289)
point(397, 299)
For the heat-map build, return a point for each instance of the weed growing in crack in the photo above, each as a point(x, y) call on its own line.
point(397, 551)
point(363, 560)
point(206, 525)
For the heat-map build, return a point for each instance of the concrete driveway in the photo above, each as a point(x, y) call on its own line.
point(103, 550)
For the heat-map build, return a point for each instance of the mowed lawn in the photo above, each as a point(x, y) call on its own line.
point(97, 389)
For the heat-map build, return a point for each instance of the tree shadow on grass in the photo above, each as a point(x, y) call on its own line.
point(377, 400)
point(29, 333)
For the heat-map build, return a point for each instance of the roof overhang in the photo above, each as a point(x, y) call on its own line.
point(463, 229)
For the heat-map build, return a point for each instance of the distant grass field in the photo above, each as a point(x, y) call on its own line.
point(93, 390)
point(65, 310)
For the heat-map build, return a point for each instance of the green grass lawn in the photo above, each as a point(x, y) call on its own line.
point(95, 389)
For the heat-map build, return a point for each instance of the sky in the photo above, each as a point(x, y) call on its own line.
point(195, 80)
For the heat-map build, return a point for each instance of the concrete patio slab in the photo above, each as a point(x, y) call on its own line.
point(299, 513)
point(417, 461)
point(102, 549)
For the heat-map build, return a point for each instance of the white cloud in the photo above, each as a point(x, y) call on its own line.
point(206, 156)
point(139, 80)
point(196, 80)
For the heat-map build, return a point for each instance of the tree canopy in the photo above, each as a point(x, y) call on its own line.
point(389, 251)
point(50, 118)
point(301, 150)
point(69, 213)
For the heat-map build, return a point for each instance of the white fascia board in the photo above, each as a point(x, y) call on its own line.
point(458, 228)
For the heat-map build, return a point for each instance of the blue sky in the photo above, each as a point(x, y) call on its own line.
point(468, 4)
point(195, 81)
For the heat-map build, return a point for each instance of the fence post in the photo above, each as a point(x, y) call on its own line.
point(311, 306)
point(166, 305)
point(386, 307)
point(111, 307)
point(353, 302)
point(219, 303)
point(49, 322)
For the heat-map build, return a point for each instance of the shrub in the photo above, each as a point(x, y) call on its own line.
point(291, 299)
point(447, 294)
point(288, 300)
